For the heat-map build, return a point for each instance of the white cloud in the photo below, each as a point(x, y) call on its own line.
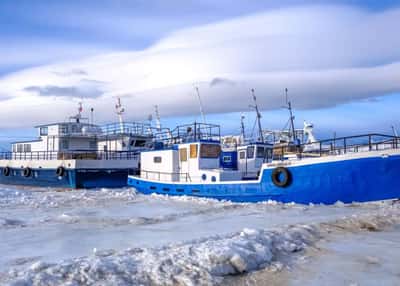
point(324, 55)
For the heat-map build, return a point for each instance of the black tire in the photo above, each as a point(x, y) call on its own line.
point(27, 172)
point(277, 179)
point(60, 171)
point(6, 171)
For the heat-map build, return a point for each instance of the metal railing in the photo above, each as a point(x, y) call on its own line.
point(70, 155)
point(156, 175)
point(132, 128)
point(190, 133)
point(339, 146)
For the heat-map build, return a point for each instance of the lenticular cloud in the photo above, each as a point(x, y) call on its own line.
point(325, 55)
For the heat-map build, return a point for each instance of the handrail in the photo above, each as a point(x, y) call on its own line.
point(339, 146)
point(159, 173)
point(70, 155)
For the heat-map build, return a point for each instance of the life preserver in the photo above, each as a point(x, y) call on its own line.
point(6, 171)
point(281, 177)
point(60, 171)
point(27, 172)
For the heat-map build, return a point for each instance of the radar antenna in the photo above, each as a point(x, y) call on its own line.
point(255, 106)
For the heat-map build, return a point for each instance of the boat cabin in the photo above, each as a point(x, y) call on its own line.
point(251, 157)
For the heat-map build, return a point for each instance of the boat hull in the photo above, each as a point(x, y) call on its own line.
point(348, 180)
point(73, 178)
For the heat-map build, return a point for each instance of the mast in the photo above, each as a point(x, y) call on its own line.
point(78, 116)
point(394, 131)
point(242, 131)
point(120, 110)
point(291, 115)
point(91, 115)
point(201, 104)
point(158, 120)
point(255, 106)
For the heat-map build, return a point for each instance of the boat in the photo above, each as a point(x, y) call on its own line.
point(347, 169)
point(77, 154)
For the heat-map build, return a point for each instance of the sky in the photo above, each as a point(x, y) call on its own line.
point(340, 61)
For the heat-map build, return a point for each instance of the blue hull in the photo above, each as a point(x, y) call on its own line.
point(352, 180)
point(79, 178)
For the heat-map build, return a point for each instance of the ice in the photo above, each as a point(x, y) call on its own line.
point(119, 237)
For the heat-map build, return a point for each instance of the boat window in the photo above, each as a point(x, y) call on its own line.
point(14, 148)
point(210, 151)
point(193, 151)
point(20, 148)
point(27, 147)
point(250, 152)
point(260, 152)
point(183, 154)
point(227, 159)
point(140, 143)
point(43, 131)
point(157, 159)
point(63, 129)
point(242, 154)
point(75, 128)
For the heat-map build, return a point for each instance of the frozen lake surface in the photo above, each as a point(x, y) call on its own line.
point(119, 237)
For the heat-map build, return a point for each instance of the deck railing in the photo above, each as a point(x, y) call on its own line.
point(70, 155)
point(156, 175)
point(340, 146)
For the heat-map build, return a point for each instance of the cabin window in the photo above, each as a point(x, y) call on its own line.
point(260, 152)
point(210, 150)
point(43, 131)
point(64, 144)
point(193, 151)
point(157, 159)
point(75, 128)
point(227, 159)
point(250, 152)
point(183, 154)
point(63, 129)
point(20, 148)
point(14, 148)
point(140, 143)
point(242, 154)
point(27, 147)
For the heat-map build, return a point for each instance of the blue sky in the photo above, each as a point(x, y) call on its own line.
point(58, 37)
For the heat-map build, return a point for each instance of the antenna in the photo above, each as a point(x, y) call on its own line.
point(395, 131)
point(255, 106)
point(289, 107)
point(120, 110)
point(201, 104)
point(158, 120)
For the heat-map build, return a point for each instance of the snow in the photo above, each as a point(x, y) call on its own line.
point(119, 237)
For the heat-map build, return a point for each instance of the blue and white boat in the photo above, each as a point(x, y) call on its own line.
point(356, 168)
point(77, 154)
